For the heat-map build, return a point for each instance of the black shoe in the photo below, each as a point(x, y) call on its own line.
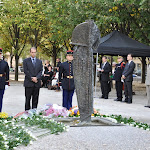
point(116, 99)
point(129, 101)
point(105, 97)
point(125, 101)
point(147, 106)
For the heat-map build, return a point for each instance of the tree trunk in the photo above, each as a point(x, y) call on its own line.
point(54, 55)
point(16, 66)
point(11, 59)
point(143, 69)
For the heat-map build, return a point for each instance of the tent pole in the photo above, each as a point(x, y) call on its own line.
point(96, 72)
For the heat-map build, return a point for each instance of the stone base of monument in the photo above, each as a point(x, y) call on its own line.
point(75, 122)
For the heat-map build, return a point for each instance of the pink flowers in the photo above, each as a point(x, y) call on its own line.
point(56, 111)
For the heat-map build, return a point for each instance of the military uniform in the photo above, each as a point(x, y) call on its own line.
point(66, 79)
point(117, 77)
point(4, 77)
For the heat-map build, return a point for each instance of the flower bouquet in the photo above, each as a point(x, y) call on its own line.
point(74, 112)
point(3, 115)
point(54, 110)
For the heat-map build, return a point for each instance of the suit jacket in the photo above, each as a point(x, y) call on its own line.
point(31, 71)
point(4, 69)
point(147, 82)
point(104, 76)
point(128, 71)
point(118, 71)
point(66, 69)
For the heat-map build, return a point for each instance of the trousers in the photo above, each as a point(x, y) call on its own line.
point(119, 85)
point(105, 88)
point(34, 93)
point(128, 91)
point(1, 99)
point(67, 98)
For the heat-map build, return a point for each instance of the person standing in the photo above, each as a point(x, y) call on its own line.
point(104, 77)
point(66, 79)
point(33, 71)
point(117, 77)
point(4, 77)
point(57, 72)
point(127, 75)
point(147, 82)
point(58, 62)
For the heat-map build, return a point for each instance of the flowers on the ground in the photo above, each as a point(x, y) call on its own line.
point(43, 123)
point(53, 110)
point(12, 135)
point(3, 115)
point(127, 121)
point(114, 118)
point(74, 111)
point(15, 131)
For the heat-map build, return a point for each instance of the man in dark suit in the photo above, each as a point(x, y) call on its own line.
point(127, 75)
point(58, 62)
point(33, 71)
point(104, 77)
point(66, 79)
point(4, 77)
point(117, 77)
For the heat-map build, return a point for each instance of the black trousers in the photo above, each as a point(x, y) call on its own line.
point(44, 80)
point(128, 91)
point(105, 88)
point(119, 85)
point(34, 93)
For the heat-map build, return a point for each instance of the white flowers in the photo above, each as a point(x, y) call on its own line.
point(5, 121)
point(31, 143)
point(9, 130)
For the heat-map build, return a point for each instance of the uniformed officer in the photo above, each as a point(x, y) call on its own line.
point(117, 76)
point(4, 77)
point(66, 79)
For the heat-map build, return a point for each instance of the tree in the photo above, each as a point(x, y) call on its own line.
point(35, 21)
point(12, 20)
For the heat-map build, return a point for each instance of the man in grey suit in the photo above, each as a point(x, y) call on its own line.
point(33, 71)
point(127, 75)
point(147, 82)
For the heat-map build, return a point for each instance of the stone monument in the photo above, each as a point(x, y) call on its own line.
point(86, 38)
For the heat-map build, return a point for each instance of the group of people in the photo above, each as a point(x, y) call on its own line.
point(50, 75)
point(33, 69)
point(33, 73)
point(123, 75)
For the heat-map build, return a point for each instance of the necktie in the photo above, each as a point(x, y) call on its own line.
point(33, 61)
point(103, 65)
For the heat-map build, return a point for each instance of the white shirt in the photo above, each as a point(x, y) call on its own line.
point(104, 65)
point(33, 59)
point(129, 62)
